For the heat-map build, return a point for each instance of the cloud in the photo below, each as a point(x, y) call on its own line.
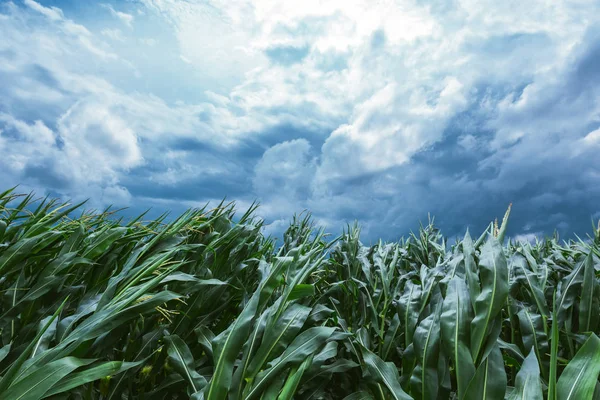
point(387, 130)
point(380, 112)
point(87, 127)
point(68, 164)
point(285, 170)
point(528, 237)
point(287, 55)
point(68, 27)
point(127, 19)
point(149, 41)
point(114, 34)
point(54, 13)
point(212, 37)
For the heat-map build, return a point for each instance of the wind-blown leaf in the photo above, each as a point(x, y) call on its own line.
point(589, 306)
point(90, 375)
point(99, 244)
point(424, 380)
point(278, 337)
point(303, 346)
point(489, 381)
point(17, 252)
point(227, 345)
point(579, 378)
point(293, 380)
point(553, 352)
point(40, 380)
point(4, 351)
point(494, 291)
point(534, 336)
point(15, 368)
point(182, 360)
point(42, 344)
point(528, 385)
point(360, 395)
point(567, 292)
point(385, 373)
point(471, 268)
point(454, 323)
point(408, 308)
point(532, 282)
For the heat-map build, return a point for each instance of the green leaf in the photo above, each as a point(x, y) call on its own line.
point(534, 336)
point(589, 306)
point(277, 337)
point(274, 388)
point(385, 373)
point(205, 337)
point(303, 346)
point(533, 285)
point(408, 308)
point(471, 268)
point(15, 368)
point(360, 395)
point(528, 385)
point(4, 351)
point(100, 243)
point(579, 378)
point(293, 380)
point(553, 352)
point(503, 225)
point(90, 375)
point(227, 345)
point(180, 357)
point(568, 291)
point(493, 273)
point(302, 290)
point(489, 381)
point(424, 380)
point(454, 322)
point(43, 342)
point(390, 336)
point(38, 381)
point(17, 252)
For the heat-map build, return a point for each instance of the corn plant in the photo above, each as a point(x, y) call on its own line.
point(204, 306)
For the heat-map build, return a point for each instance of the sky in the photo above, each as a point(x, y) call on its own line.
point(380, 112)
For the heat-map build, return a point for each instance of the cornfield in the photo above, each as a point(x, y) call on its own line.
point(204, 306)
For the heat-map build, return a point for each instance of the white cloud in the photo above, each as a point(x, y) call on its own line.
point(391, 126)
point(285, 169)
point(68, 27)
point(276, 228)
point(37, 132)
point(149, 41)
point(114, 34)
point(378, 89)
point(212, 37)
point(468, 142)
point(54, 13)
point(98, 137)
point(528, 237)
point(127, 19)
point(33, 149)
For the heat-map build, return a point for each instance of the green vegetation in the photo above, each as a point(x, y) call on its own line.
point(206, 308)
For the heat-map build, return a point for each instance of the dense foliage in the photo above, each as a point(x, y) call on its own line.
point(204, 307)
